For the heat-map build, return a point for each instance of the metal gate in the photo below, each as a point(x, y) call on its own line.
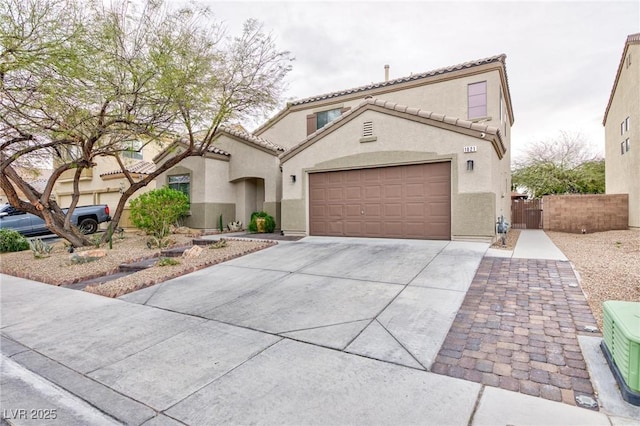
point(526, 214)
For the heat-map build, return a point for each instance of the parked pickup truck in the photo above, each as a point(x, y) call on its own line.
point(86, 218)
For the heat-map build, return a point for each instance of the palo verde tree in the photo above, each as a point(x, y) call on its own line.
point(564, 165)
point(80, 80)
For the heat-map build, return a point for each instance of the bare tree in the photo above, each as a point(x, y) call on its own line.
point(80, 80)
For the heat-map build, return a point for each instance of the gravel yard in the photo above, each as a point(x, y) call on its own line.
point(58, 270)
point(608, 264)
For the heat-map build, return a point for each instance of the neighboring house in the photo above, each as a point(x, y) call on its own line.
point(424, 156)
point(239, 175)
point(105, 182)
point(622, 130)
point(36, 177)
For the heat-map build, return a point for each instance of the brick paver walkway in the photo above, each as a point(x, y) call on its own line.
point(517, 329)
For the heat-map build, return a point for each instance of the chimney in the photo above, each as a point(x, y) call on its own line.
point(386, 73)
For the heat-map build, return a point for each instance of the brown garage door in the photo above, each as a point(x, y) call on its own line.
point(391, 202)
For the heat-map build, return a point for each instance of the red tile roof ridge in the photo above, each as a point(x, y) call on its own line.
point(496, 58)
point(257, 140)
point(140, 167)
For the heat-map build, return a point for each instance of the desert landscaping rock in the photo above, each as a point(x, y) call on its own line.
point(57, 269)
point(608, 265)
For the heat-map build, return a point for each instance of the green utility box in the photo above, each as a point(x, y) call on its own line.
point(622, 345)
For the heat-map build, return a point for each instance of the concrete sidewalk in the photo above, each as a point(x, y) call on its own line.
point(532, 244)
point(321, 331)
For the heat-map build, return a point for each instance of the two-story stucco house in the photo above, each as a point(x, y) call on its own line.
point(622, 130)
point(425, 156)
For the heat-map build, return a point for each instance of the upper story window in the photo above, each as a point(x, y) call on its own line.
point(624, 126)
point(477, 100)
point(320, 119)
point(133, 150)
point(325, 117)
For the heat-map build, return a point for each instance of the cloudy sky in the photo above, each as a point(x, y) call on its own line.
point(562, 56)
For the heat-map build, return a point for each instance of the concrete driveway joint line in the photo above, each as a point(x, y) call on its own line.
point(104, 398)
point(341, 331)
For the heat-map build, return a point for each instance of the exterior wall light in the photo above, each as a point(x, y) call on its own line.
point(469, 165)
point(293, 178)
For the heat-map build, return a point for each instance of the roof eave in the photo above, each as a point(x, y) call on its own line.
point(438, 120)
point(630, 40)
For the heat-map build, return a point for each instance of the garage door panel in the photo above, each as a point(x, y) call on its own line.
point(335, 210)
point(372, 192)
point(353, 211)
point(413, 190)
point(393, 173)
point(317, 194)
point(335, 228)
point(373, 229)
point(393, 191)
point(394, 229)
point(439, 210)
point(412, 201)
point(393, 211)
point(335, 194)
point(353, 227)
point(334, 178)
point(373, 210)
point(353, 192)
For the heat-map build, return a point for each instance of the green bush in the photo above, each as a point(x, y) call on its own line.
point(40, 249)
point(155, 211)
point(269, 222)
point(11, 240)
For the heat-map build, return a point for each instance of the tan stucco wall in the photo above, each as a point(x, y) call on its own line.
point(447, 97)
point(247, 182)
point(401, 141)
point(97, 190)
point(207, 215)
point(622, 172)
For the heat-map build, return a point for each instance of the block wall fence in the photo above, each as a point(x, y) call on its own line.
point(585, 213)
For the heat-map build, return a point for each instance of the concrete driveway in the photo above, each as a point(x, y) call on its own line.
point(320, 331)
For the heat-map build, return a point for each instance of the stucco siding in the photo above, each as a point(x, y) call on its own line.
point(472, 216)
point(447, 97)
point(207, 215)
point(401, 141)
point(622, 172)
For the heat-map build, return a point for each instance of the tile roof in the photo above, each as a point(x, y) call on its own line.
point(631, 39)
point(239, 132)
point(497, 58)
point(140, 167)
point(391, 106)
point(384, 84)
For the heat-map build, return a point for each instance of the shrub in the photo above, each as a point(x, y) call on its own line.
point(40, 249)
point(269, 222)
point(155, 211)
point(11, 240)
point(221, 243)
point(167, 261)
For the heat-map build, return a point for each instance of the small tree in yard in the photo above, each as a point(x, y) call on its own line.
point(155, 211)
point(81, 80)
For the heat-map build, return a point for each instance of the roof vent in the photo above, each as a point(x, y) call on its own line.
point(367, 129)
